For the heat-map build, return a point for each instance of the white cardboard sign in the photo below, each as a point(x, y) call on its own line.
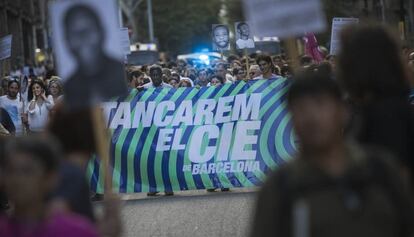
point(338, 24)
point(5, 47)
point(125, 42)
point(284, 18)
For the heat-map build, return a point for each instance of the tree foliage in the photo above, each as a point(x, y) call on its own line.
point(180, 26)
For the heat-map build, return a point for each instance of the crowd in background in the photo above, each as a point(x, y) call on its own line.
point(351, 112)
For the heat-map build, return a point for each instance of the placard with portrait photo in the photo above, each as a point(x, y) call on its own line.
point(244, 39)
point(220, 37)
point(88, 51)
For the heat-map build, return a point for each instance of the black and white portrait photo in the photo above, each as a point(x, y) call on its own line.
point(88, 51)
point(243, 38)
point(221, 37)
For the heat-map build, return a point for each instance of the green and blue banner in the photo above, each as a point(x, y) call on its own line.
point(188, 138)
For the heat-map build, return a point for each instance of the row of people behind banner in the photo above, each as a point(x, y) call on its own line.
point(26, 101)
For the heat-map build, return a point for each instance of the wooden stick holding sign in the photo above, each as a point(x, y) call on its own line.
point(102, 146)
point(247, 63)
point(103, 64)
point(292, 52)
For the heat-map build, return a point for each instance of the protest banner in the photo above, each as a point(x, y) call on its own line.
point(338, 24)
point(188, 138)
point(5, 47)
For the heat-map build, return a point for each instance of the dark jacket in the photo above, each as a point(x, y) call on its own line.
point(369, 200)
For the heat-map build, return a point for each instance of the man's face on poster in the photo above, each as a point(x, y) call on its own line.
point(244, 30)
point(156, 77)
point(221, 36)
point(84, 37)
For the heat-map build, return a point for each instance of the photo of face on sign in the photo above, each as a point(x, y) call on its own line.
point(82, 36)
point(244, 39)
point(221, 38)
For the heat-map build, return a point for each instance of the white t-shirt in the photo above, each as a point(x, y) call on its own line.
point(272, 77)
point(14, 108)
point(245, 44)
point(39, 116)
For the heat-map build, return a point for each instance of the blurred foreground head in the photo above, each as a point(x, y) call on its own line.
point(318, 111)
point(370, 65)
point(73, 129)
point(30, 166)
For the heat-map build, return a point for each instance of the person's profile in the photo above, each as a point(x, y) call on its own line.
point(243, 37)
point(97, 75)
point(221, 38)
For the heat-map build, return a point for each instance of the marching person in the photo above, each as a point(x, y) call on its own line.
point(31, 169)
point(333, 187)
point(12, 103)
point(38, 107)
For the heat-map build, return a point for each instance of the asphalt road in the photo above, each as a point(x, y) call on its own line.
point(190, 213)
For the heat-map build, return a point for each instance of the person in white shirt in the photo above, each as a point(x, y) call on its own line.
point(156, 78)
point(13, 105)
point(38, 107)
point(266, 65)
point(56, 90)
point(254, 72)
point(244, 42)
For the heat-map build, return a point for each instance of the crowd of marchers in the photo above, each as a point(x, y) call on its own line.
point(352, 175)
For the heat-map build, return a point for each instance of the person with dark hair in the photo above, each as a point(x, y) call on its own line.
point(202, 79)
point(39, 106)
point(221, 38)
point(174, 82)
point(371, 70)
point(74, 130)
point(4, 85)
point(97, 76)
point(333, 187)
point(135, 79)
point(155, 72)
point(305, 61)
point(232, 58)
point(220, 69)
point(13, 104)
point(245, 41)
point(266, 66)
point(286, 71)
point(31, 168)
point(240, 74)
point(216, 80)
point(166, 74)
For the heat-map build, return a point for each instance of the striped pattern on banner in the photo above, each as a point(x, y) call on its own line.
point(138, 167)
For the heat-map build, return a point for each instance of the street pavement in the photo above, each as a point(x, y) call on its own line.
point(189, 213)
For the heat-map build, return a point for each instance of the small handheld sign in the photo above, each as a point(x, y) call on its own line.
point(220, 37)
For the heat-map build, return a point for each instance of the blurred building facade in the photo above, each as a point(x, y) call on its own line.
point(399, 14)
point(26, 21)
